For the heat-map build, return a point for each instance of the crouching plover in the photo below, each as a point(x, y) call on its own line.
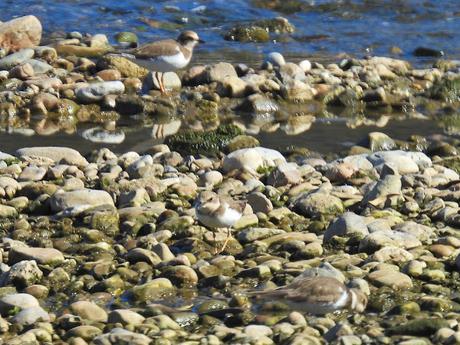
point(215, 211)
point(316, 295)
point(168, 55)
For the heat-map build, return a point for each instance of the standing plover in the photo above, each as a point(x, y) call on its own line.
point(316, 295)
point(168, 55)
point(215, 211)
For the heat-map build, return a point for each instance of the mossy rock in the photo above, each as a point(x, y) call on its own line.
point(67, 108)
point(241, 142)
point(206, 143)
point(248, 33)
point(283, 6)
point(450, 123)
point(153, 290)
point(127, 39)
point(104, 219)
point(411, 308)
point(207, 113)
point(87, 112)
point(447, 90)
point(127, 68)
point(386, 299)
point(419, 327)
point(278, 25)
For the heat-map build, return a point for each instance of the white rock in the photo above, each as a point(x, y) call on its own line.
point(348, 224)
point(56, 154)
point(96, 91)
point(405, 162)
point(305, 65)
point(80, 199)
point(29, 316)
point(17, 300)
point(276, 59)
point(251, 159)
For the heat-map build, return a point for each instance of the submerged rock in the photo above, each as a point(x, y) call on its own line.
point(207, 143)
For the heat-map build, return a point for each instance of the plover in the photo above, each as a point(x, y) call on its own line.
point(168, 55)
point(316, 295)
point(215, 211)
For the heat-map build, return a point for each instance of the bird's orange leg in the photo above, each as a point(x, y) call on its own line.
point(162, 84)
point(229, 235)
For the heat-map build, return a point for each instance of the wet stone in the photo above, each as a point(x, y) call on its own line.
point(45, 256)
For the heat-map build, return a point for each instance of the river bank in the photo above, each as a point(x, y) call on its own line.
point(103, 245)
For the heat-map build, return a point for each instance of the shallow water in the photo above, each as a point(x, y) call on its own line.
point(324, 29)
point(324, 136)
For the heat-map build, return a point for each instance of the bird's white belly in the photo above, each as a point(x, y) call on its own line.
point(225, 220)
point(169, 63)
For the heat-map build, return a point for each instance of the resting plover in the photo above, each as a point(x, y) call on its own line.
point(215, 211)
point(168, 55)
point(316, 295)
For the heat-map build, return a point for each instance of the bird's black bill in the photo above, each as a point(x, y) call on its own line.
point(201, 41)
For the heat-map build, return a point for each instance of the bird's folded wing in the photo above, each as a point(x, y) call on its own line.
point(237, 205)
point(151, 50)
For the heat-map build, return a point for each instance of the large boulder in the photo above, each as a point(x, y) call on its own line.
point(20, 33)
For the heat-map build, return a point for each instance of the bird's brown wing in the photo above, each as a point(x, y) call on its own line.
point(152, 50)
point(316, 290)
point(275, 294)
point(237, 205)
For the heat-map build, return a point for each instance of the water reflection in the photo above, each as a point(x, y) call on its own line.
point(308, 125)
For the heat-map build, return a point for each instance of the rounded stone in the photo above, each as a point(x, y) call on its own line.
point(89, 311)
point(18, 300)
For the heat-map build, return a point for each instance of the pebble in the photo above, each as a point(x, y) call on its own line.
point(17, 300)
point(89, 311)
point(95, 92)
point(80, 199)
point(276, 59)
point(44, 256)
point(30, 316)
point(119, 232)
point(349, 225)
point(125, 317)
point(55, 154)
point(15, 59)
point(25, 273)
point(393, 279)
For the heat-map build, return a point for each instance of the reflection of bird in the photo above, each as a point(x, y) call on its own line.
point(168, 55)
point(316, 295)
point(215, 211)
point(162, 130)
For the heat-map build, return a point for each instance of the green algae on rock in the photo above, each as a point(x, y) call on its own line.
point(446, 90)
point(259, 31)
point(205, 143)
point(419, 327)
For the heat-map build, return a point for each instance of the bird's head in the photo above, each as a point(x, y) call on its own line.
point(189, 39)
point(358, 300)
point(208, 200)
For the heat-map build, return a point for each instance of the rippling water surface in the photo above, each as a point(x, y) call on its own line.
point(322, 26)
point(324, 29)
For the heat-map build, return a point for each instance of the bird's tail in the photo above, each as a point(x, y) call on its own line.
point(126, 54)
